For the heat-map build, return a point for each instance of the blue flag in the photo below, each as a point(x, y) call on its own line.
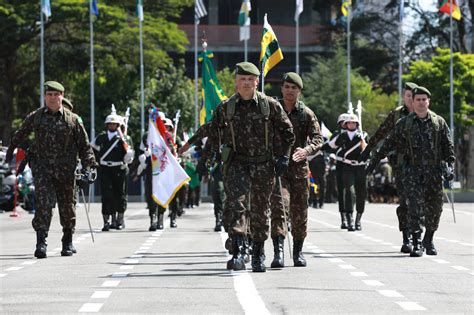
point(95, 9)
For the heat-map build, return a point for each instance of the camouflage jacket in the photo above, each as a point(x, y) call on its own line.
point(200, 134)
point(249, 128)
point(418, 142)
point(58, 138)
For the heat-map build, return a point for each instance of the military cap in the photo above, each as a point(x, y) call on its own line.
point(247, 68)
point(293, 77)
point(67, 103)
point(410, 86)
point(53, 86)
point(421, 90)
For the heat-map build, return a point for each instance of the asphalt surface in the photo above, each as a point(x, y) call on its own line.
point(182, 270)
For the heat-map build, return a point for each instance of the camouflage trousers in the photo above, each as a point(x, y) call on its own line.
point(56, 184)
point(355, 188)
point(218, 196)
point(402, 210)
point(113, 185)
point(423, 187)
point(294, 197)
point(258, 180)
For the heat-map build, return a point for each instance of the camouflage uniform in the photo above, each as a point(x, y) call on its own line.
point(250, 168)
point(59, 138)
point(424, 144)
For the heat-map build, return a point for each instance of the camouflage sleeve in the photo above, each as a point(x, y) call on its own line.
point(21, 134)
point(394, 141)
point(315, 138)
point(284, 127)
point(200, 134)
point(447, 147)
point(383, 130)
point(214, 125)
point(83, 146)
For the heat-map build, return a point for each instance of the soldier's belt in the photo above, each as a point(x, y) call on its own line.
point(62, 160)
point(350, 162)
point(256, 159)
point(110, 163)
point(424, 163)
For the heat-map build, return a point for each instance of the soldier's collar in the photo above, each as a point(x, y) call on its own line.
point(60, 111)
point(254, 98)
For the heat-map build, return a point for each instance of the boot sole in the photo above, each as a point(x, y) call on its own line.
point(40, 255)
point(277, 265)
point(67, 253)
point(406, 249)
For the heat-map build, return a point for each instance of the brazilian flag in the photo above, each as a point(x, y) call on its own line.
point(212, 93)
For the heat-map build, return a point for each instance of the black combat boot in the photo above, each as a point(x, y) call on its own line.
point(278, 251)
point(258, 257)
point(358, 227)
point(298, 258)
point(428, 243)
point(173, 223)
point(350, 223)
point(153, 222)
point(343, 221)
point(159, 224)
point(113, 223)
point(120, 221)
point(106, 227)
point(237, 261)
point(417, 245)
point(218, 226)
point(406, 246)
point(67, 243)
point(41, 244)
point(228, 245)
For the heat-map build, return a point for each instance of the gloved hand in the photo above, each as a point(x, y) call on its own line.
point(448, 173)
point(86, 177)
point(364, 156)
point(281, 165)
point(370, 168)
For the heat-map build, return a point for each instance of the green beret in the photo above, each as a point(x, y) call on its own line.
point(67, 103)
point(293, 77)
point(53, 86)
point(421, 90)
point(247, 68)
point(410, 86)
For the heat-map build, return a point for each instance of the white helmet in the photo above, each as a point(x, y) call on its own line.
point(113, 119)
point(162, 116)
point(168, 123)
point(342, 117)
point(351, 118)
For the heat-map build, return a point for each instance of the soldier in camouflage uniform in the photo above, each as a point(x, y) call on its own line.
point(382, 132)
point(245, 125)
point(60, 137)
point(423, 141)
point(114, 152)
point(293, 185)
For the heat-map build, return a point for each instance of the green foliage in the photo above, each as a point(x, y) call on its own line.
point(226, 79)
point(328, 97)
point(434, 75)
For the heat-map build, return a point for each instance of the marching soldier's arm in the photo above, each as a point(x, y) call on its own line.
point(315, 138)
point(214, 128)
point(384, 129)
point(283, 124)
point(84, 148)
point(20, 135)
point(200, 134)
point(447, 147)
point(392, 142)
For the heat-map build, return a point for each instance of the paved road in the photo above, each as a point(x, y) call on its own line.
point(182, 271)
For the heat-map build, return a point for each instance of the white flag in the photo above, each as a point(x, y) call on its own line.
point(325, 131)
point(299, 9)
point(168, 175)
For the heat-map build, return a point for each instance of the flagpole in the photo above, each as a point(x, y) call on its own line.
point(298, 45)
point(451, 75)
point(400, 54)
point(245, 49)
point(196, 75)
point(349, 54)
point(142, 90)
point(91, 28)
point(41, 57)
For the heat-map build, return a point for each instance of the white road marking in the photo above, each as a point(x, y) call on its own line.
point(395, 247)
point(323, 223)
point(14, 268)
point(144, 248)
point(318, 250)
point(136, 256)
point(56, 249)
point(111, 283)
point(411, 306)
point(373, 282)
point(101, 294)
point(441, 261)
point(390, 293)
point(336, 260)
point(326, 255)
point(358, 274)
point(90, 308)
point(127, 267)
point(455, 267)
point(131, 261)
point(120, 274)
point(2, 275)
point(140, 252)
point(346, 267)
point(29, 262)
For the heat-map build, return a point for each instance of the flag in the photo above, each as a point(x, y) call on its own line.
point(46, 8)
point(95, 9)
point(325, 132)
point(140, 10)
point(212, 93)
point(271, 53)
point(345, 7)
point(446, 8)
point(199, 10)
point(299, 9)
point(167, 175)
point(244, 20)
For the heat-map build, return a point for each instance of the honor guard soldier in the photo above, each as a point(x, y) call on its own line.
point(422, 140)
point(396, 160)
point(59, 138)
point(292, 188)
point(114, 155)
point(245, 125)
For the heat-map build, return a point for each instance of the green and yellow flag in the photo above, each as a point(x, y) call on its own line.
point(212, 93)
point(271, 53)
point(345, 7)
